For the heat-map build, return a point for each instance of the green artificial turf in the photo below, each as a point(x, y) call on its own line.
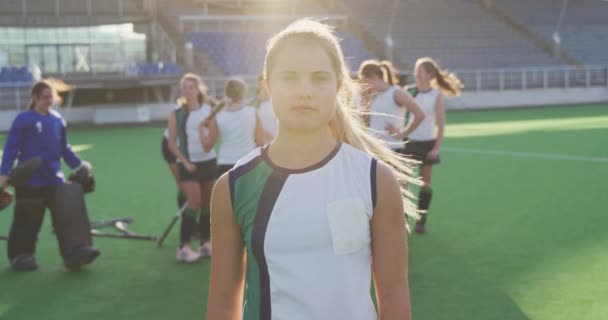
point(517, 227)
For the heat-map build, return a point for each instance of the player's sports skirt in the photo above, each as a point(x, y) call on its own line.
point(167, 154)
point(419, 150)
point(205, 171)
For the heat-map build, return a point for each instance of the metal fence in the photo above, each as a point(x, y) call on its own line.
point(534, 78)
point(14, 96)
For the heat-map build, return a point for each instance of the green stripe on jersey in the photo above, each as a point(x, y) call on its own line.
point(247, 195)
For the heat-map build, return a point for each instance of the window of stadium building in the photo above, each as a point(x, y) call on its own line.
point(100, 49)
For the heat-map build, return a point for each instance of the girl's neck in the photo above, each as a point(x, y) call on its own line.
point(234, 105)
point(383, 87)
point(192, 105)
point(41, 110)
point(300, 149)
point(424, 87)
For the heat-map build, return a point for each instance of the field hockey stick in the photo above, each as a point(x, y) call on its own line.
point(178, 214)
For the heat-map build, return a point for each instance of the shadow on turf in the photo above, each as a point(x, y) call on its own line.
point(443, 286)
point(498, 220)
point(41, 293)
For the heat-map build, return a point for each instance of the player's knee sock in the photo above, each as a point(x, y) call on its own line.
point(181, 198)
point(205, 224)
point(424, 202)
point(187, 227)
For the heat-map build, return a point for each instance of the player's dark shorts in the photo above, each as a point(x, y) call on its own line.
point(167, 154)
point(418, 150)
point(223, 168)
point(205, 171)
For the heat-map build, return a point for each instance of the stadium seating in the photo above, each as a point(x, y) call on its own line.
point(153, 69)
point(456, 32)
point(583, 31)
point(243, 52)
point(15, 83)
point(15, 75)
point(546, 12)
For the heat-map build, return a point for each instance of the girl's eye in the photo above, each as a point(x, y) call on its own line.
point(289, 78)
point(320, 77)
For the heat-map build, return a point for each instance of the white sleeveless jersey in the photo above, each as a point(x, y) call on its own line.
point(307, 236)
point(188, 133)
point(426, 130)
point(269, 120)
point(237, 132)
point(385, 110)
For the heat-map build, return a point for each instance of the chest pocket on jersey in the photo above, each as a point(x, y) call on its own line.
point(349, 225)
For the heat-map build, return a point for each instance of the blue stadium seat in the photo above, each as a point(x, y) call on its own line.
point(155, 69)
point(583, 31)
point(15, 74)
point(243, 52)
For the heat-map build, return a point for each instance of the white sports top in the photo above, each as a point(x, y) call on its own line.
point(385, 110)
point(307, 235)
point(426, 130)
point(188, 133)
point(237, 134)
point(269, 120)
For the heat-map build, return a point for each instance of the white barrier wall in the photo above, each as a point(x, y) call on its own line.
point(6, 118)
point(531, 97)
point(115, 114)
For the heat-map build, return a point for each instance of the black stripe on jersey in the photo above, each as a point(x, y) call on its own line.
point(183, 130)
point(372, 180)
point(269, 196)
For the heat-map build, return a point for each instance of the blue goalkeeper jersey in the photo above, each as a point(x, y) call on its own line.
point(33, 134)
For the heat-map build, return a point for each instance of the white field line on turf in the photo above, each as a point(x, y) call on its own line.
point(547, 156)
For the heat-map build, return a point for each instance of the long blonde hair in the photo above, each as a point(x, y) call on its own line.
point(234, 90)
point(202, 90)
point(346, 126)
point(381, 69)
point(55, 85)
point(444, 81)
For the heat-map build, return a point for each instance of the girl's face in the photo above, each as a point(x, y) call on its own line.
point(44, 101)
point(422, 77)
point(373, 82)
point(303, 86)
point(189, 90)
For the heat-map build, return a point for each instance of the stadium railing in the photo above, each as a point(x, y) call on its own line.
point(14, 95)
point(503, 79)
point(562, 77)
point(71, 7)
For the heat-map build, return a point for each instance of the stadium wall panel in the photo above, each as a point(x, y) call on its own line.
point(141, 113)
point(114, 114)
point(532, 97)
